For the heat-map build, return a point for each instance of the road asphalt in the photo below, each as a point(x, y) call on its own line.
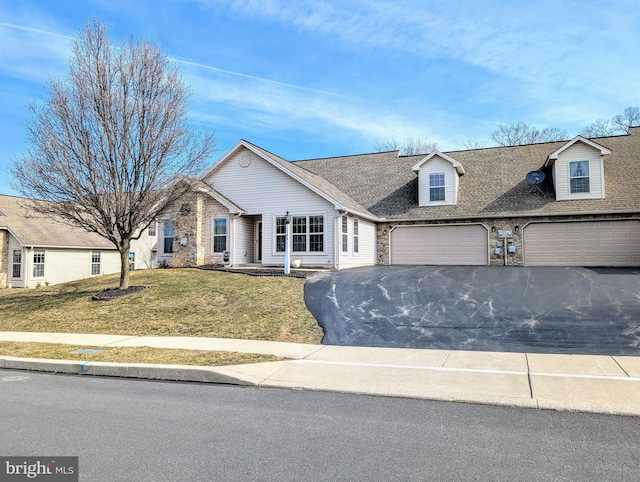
point(589, 383)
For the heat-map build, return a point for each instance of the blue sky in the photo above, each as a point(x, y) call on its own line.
point(318, 78)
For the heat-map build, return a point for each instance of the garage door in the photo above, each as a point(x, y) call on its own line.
point(440, 245)
point(600, 243)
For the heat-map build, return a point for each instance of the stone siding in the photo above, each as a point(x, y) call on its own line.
point(186, 231)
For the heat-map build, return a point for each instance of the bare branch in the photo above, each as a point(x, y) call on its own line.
point(110, 143)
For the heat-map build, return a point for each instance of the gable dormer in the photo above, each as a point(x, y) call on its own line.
point(438, 179)
point(578, 169)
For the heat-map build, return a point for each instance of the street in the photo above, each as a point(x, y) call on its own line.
point(125, 430)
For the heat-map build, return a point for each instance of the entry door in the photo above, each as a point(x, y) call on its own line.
point(259, 241)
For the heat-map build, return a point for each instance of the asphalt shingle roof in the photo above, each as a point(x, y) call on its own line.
point(34, 229)
point(493, 184)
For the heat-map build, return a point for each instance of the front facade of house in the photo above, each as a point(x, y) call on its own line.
point(474, 207)
point(37, 251)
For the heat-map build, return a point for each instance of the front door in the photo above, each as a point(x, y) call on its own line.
point(259, 241)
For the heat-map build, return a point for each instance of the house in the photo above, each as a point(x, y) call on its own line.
point(36, 250)
point(566, 203)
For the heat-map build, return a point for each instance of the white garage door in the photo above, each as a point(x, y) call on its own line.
point(599, 243)
point(440, 245)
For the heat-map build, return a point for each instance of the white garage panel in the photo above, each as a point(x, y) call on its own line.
point(595, 243)
point(440, 245)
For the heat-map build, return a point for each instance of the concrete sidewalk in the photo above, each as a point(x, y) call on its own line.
point(600, 384)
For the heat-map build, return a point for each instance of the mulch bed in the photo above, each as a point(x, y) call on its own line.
point(115, 293)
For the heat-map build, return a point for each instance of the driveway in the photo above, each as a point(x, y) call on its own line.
point(593, 311)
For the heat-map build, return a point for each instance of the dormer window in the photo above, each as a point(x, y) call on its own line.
point(579, 176)
point(438, 179)
point(436, 186)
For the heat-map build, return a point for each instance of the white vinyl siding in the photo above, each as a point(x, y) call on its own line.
point(64, 265)
point(262, 189)
point(562, 172)
point(243, 230)
point(582, 243)
point(366, 254)
point(440, 244)
point(444, 172)
point(143, 247)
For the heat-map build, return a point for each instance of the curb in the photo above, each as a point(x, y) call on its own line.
point(179, 373)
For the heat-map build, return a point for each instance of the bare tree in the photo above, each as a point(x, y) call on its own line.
point(619, 124)
point(110, 142)
point(520, 133)
point(473, 144)
point(410, 146)
point(599, 128)
point(630, 117)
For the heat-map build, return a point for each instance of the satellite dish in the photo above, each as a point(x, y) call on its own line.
point(535, 177)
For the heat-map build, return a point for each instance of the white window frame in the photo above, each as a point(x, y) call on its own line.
point(16, 264)
point(588, 177)
point(96, 258)
point(309, 232)
point(152, 230)
point(132, 261)
point(356, 235)
point(344, 230)
point(439, 187)
point(39, 259)
point(224, 235)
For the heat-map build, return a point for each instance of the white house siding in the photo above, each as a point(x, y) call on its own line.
point(579, 152)
point(64, 265)
point(366, 255)
point(143, 248)
point(437, 164)
point(262, 189)
point(242, 250)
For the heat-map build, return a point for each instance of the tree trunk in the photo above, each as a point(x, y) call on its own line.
point(124, 268)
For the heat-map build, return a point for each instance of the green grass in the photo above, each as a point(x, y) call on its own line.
point(187, 302)
point(131, 354)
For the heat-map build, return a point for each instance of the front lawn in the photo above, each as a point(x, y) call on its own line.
point(188, 302)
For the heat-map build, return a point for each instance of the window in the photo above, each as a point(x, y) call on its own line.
point(307, 231)
point(579, 176)
point(95, 262)
point(152, 229)
point(38, 263)
point(219, 235)
point(299, 234)
point(168, 237)
point(345, 236)
point(281, 234)
point(132, 261)
point(436, 186)
point(356, 236)
point(316, 236)
point(17, 264)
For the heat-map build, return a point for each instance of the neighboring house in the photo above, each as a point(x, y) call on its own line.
point(473, 207)
point(36, 250)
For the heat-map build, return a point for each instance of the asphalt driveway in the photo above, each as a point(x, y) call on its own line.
point(592, 311)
